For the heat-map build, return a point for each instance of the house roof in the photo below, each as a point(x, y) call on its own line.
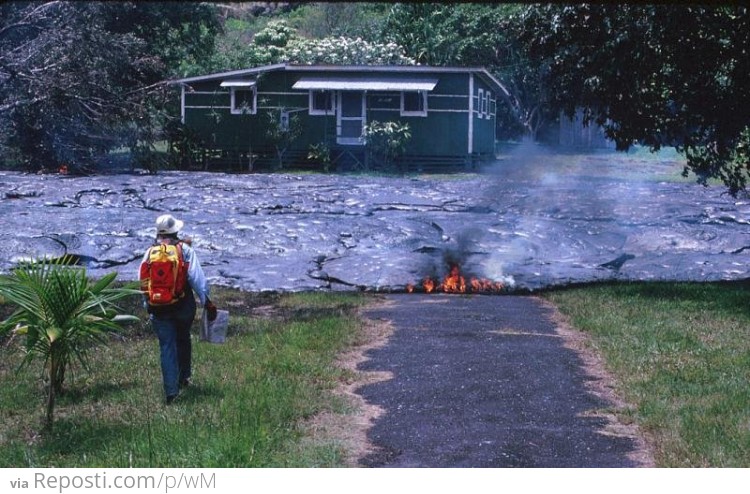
point(372, 69)
point(230, 74)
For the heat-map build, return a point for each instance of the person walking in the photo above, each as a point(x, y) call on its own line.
point(171, 276)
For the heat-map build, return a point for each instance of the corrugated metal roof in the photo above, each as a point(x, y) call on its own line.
point(237, 83)
point(369, 83)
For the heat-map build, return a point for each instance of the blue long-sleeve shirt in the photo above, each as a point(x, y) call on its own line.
point(196, 277)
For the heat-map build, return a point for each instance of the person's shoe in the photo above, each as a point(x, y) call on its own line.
point(170, 399)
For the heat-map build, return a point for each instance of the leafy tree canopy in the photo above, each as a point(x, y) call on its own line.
point(472, 34)
point(279, 42)
point(80, 78)
point(347, 19)
point(653, 74)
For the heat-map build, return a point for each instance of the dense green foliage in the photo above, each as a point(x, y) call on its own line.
point(659, 75)
point(279, 42)
point(473, 35)
point(78, 79)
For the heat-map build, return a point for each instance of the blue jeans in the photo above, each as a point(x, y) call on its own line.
point(173, 329)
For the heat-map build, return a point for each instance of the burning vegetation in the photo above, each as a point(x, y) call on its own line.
point(455, 282)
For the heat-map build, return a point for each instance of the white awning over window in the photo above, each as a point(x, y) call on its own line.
point(237, 83)
point(371, 83)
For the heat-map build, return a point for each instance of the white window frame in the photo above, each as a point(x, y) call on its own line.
point(480, 102)
point(487, 104)
point(420, 113)
point(316, 111)
point(242, 111)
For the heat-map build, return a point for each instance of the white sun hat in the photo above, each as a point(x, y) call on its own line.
point(167, 224)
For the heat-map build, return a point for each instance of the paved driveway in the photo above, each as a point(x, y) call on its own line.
point(485, 381)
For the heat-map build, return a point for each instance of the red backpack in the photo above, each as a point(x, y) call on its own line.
point(164, 274)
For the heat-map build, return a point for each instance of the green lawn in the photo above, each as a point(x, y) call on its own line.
point(680, 354)
point(250, 397)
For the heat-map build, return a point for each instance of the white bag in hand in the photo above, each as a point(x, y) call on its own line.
point(215, 331)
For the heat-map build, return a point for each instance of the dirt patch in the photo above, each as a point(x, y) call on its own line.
point(349, 430)
point(602, 385)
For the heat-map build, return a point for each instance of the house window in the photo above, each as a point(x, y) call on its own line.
point(488, 99)
point(284, 120)
point(414, 103)
point(322, 103)
point(243, 100)
point(480, 103)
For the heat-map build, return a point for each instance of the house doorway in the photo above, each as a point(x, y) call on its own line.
point(350, 117)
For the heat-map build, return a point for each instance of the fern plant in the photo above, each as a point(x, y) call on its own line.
point(61, 315)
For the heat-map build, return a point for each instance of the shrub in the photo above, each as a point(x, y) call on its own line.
point(385, 141)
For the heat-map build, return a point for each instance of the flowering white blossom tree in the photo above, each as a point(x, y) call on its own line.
point(345, 51)
point(279, 42)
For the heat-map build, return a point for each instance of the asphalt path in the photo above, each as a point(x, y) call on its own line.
point(485, 381)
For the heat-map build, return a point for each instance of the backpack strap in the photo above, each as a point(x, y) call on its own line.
point(185, 267)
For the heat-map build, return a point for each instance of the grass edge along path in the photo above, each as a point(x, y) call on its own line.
point(680, 354)
point(253, 402)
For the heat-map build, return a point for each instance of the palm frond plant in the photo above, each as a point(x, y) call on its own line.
point(61, 315)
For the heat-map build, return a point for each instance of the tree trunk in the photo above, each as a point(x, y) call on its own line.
point(250, 159)
point(280, 153)
point(534, 122)
point(55, 383)
point(50, 408)
point(59, 376)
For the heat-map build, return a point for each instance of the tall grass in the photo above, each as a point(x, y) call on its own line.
point(681, 355)
point(244, 410)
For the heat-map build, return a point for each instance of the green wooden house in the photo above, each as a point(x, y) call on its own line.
point(450, 111)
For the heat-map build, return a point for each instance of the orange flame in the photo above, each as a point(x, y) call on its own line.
point(454, 282)
point(428, 285)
